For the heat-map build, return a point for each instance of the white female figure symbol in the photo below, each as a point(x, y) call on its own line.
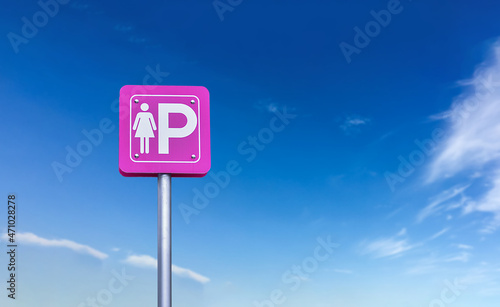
point(144, 125)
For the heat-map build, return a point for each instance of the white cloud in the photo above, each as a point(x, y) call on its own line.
point(434, 264)
point(143, 261)
point(440, 116)
point(491, 225)
point(386, 247)
point(483, 276)
point(490, 202)
point(30, 238)
point(436, 204)
point(472, 142)
point(189, 274)
point(424, 266)
point(341, 271)
point(353, 122)
point(439, 233)
point(402, 232)
point(464, 246)
point(146, 261)
point(461, 257)
point(268, 105)
point(474, 126)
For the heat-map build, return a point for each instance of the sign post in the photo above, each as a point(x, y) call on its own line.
point(164, 133)
point(164, 240)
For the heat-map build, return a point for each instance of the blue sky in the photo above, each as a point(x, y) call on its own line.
point(381, 189)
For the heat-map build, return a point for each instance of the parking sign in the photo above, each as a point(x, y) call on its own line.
point(164, 130)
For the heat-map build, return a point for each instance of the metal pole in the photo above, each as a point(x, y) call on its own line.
point(164, 240)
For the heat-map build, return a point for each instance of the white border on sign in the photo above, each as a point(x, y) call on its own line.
point(198, 128)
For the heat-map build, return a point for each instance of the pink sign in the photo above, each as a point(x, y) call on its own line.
point(164, 130)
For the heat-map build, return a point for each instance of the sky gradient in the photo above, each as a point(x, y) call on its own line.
point(381, 187)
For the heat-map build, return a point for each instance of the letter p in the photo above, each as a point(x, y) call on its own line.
point(164, 130)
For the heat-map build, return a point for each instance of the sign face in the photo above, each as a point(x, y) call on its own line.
point(164, 130)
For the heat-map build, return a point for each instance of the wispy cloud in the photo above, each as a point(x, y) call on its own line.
point(423, 266)
point(489, 203)
point(472, 139)
point(461, 257)
point(142, 261)
point(387, 247)
point(146, 261)
point(402, 232)
point(441, 116)
point(438, 234)
point(464, 246)
point(353, 123)
point(342, 271)
point(30, 238)
point(434, 263)
point(485, 277)
point(474, 128)
point(437, 202)
point(269, 105)
point(189, 274)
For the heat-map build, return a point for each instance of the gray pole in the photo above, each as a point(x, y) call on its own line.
point(164, 240)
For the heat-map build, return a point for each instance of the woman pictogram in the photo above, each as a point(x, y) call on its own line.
point(144, 125)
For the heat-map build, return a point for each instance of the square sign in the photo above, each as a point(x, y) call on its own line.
point(164, 130)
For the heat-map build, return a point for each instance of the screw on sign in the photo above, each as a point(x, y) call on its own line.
point(164, 133)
